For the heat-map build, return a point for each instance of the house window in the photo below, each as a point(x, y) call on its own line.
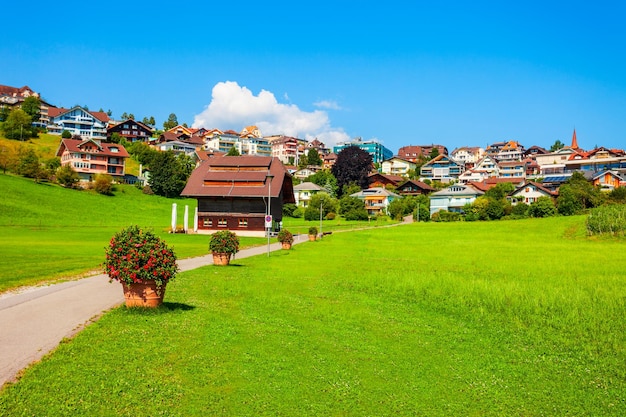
point(206, 222)
point(243, 222)
point(222, 223)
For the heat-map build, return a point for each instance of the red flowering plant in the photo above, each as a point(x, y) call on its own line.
point(224, 241)
point(138, 256)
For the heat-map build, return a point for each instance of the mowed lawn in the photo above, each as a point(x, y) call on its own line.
point(518, 318)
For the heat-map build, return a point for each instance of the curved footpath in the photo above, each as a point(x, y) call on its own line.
point(34, 321)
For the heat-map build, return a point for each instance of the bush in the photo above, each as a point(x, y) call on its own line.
point(520, 210)
point(103, 184)
point(543, 207)
point(67, 177)
point(331, 216)
point(446, 216)
point(288, 209)
point(607, 220)
point(298, 213)
point(356, 214)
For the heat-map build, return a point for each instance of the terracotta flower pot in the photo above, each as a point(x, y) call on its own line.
point(312, 238)
point(143, 295)
point(286, 245)
point(221, 258)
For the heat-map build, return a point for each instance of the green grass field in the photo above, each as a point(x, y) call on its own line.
point(521, 318)
point(51, 233)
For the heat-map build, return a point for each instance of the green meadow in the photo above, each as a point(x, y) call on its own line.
point(50, 233)
point(522, 318)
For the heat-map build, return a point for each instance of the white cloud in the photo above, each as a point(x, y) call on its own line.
point(235, 107)
point(327, 104)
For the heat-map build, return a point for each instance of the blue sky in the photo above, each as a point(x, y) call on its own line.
point(404, 73)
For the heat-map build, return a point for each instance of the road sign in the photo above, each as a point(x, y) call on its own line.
point(268, 221)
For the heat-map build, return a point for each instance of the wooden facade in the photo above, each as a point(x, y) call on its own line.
point(232, 193)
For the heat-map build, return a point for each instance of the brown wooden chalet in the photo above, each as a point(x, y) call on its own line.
point(132, 130)
point(377, 179)
point(413, 187)
point(232, 192)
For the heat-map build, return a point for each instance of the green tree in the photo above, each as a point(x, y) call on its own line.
point(618, 195)
point(353, 165)
point(556, 146)
point(350, 188)
point(142, 152)
point(67, 177)
point(352, 208)
point(500, 191)
point(117, 138)
point(233, 152)
point(434, 152)
point(328, 204)
point(51, 166)
point(124, 116)
point(66, 134)
point(103, 184)
point(520, 209)
point(303, 161)
point(28, 164)
point(171, 122)
point(32, 107)
point(314, 158)
point(578, 194)
point(325, 178)
point(168, 174)
point(542, 207)
point(4, 113)
point(18, 125)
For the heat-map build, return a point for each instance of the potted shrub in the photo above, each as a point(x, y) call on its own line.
point(285, 237)
point(312, 233)
point(143, 263)
point(223, 245)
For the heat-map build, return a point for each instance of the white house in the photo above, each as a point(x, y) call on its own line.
point(303, 193)
point(453, 198)
point(529, 192)
point(397, 166)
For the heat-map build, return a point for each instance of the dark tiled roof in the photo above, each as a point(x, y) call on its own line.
point(238, 176)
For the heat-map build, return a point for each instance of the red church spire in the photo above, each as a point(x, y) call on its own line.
point(574, 141)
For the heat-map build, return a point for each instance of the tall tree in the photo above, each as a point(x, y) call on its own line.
point(17, 125)
point(32, 107)
point(233, 152)
point(29, 165)
point(169, 173)
point(353, 165)
point(314, 157)
point(172, 121)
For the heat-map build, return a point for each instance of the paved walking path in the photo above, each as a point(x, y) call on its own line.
point(34, 321)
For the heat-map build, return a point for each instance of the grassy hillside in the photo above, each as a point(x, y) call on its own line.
point(50, 232)
point(519, 318)
point(46, 146)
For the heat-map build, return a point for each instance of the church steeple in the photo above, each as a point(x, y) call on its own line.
point(574, 141)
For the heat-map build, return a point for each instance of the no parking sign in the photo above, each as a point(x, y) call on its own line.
point(268, 221)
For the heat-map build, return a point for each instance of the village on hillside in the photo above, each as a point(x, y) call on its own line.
point(231, 191)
